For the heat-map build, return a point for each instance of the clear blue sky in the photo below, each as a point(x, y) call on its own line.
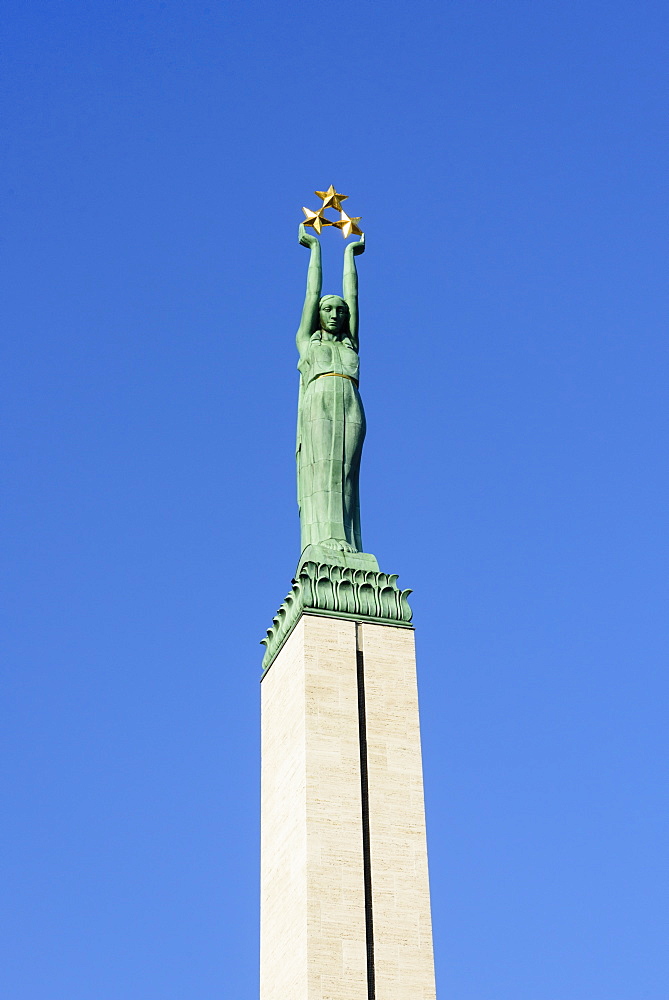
point(509, 160)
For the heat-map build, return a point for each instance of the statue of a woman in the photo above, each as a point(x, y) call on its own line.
point(330, 420)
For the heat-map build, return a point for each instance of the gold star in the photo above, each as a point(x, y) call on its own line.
point(332, 198)
point(316, 219)
point(348, 225)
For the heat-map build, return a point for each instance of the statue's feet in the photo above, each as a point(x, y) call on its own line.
point(338, 544)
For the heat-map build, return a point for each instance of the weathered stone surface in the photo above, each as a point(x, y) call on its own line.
point(313, 928)
point(312, 882)
point(400, 888)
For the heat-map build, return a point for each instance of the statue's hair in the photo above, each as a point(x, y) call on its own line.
point(324, 298)
point(346, 326)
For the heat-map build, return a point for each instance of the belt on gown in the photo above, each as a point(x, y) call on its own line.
point(338, 375)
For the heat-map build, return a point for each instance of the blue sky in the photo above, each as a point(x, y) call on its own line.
point(509, 162)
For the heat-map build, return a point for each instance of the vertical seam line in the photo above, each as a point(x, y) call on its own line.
point(364, 789)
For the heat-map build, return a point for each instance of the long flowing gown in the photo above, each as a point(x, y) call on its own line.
point(330, 435)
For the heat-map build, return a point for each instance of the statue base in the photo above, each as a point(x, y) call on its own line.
point(334, 557)
point(357, 592)
point(343, 826)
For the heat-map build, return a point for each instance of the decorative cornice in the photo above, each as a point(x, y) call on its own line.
point(339, 591)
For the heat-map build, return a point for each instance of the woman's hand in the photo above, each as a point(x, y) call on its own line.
point(358, 247)
point(306, 239)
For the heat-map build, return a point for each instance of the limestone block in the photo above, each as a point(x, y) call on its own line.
point(313, 903)
point(312, 884)
point(403, 958)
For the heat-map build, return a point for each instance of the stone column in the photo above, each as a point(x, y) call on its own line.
point(345, 912)
point(403, 960)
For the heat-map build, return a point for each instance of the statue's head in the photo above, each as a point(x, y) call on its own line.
point(334, 315)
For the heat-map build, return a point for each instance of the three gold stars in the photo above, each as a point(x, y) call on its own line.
point(347, 224)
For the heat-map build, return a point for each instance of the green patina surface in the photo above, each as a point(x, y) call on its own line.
point(330, 416)
point(325, 588)
point(334, 575)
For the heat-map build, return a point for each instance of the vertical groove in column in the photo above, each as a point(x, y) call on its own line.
point(364, 782)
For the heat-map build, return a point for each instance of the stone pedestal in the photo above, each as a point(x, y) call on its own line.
point(345, 908)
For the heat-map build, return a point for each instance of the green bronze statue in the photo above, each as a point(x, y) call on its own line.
point(331, 419)
point(334, 576)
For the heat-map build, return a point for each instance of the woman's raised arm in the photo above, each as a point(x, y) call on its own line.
point(309, 321)
point(351, 286)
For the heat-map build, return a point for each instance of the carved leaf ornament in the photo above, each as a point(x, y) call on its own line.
point(323, 588)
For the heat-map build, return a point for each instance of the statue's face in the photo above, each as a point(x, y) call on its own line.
point(333, 314)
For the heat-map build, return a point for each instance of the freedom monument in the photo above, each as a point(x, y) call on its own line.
point(345, 903)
